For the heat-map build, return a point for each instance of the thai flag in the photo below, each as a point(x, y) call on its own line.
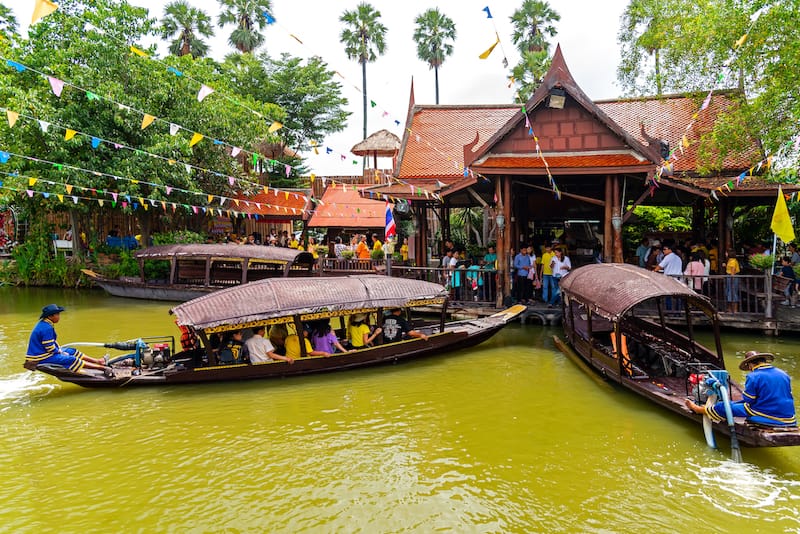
point(391, 228)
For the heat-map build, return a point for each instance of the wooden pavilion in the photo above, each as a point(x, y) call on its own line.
point(562, 157)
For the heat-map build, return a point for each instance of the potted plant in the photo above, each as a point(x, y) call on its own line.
point(761, 261)
point(348, 254)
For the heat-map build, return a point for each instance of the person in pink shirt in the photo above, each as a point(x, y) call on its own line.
point(695, 270)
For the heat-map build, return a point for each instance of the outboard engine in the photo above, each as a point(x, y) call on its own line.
point(156, 356)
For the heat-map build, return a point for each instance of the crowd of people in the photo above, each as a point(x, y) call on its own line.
point(318, 338)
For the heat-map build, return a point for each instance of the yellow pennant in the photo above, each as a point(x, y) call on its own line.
point(164, 205)
point(145, 206)
point(489, 51)
point(274, 127)
point(100, 201)
point(196, 138)
point(60, 197)
point(69, 134)
point(147, 120)
point(138, 52)
point(287, 195)
point(266, 190)
point(134, 181)
point(41, 9)
point(12, 117)
point(32, 182)
point(313, 177)
point(171, 161)
point(210, 198)
point(741, 41)
point(69, 189)
point(236, 201)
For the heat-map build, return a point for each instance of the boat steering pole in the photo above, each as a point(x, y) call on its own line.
point(721, 390)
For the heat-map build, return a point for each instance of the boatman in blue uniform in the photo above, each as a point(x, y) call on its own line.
point(767, 398)
point(43, 348)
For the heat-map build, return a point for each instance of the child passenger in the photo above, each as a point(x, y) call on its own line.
point(323, 338)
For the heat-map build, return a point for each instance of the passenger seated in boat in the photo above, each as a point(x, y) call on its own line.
point(260, 350)
point(767, 398)
point(323, 338)
point(277, 336)
point(358, 332)
point(233, 349)
point(395, 327)
point(293, 345)
point(43, 348)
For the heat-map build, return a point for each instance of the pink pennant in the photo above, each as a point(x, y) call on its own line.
point(194, 209)
point(169, 190)
point(124, 204)
point(231, 180)
point(114, 196)
point(30, 193)
point(204, 92)
point(235, 151)
point(288, 170)
point(56, 85)
point(527, 121)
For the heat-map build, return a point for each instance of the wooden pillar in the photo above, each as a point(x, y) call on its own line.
point(503, 191)
point(725, 241)
point(421, 252)
point(608, 238)
point(616, 216)
point(699, 219)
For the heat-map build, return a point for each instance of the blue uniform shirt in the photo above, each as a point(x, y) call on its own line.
point(767, 399)
point(42, 343)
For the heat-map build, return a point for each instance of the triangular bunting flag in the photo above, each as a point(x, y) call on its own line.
point(235, 151)
point(56, 85)
point(69, 134)
point(41, 9)
point(204, 92)
point(196, 138)
point(12, 117)
point(274, 127)
point(138, 52)
point(147, 120)
point(173, 129)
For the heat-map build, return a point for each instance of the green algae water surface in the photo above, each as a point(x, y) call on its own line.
point(507, 437)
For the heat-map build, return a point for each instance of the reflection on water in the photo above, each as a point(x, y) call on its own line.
point(509, 436)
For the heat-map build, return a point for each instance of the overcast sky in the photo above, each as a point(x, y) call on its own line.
point(587, 33)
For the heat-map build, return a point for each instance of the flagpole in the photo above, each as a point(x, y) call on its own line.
point(774, 252)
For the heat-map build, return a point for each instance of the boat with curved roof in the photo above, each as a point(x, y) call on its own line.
point(289, 305)
point(193, 270)
point(637, 328)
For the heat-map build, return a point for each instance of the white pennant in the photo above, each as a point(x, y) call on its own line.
point(173, 129)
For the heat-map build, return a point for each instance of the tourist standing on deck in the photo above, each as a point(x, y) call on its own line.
point(523, 286)
point(732, 268)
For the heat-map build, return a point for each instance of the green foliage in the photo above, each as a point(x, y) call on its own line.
point(156, 270)
point(248, 16)
point(661, 219)
point(125, 266)
point(348, 254)
point(761, 261)
point(180, 236)
point(533, 24)
point(185, 25)
point(696, 46)
point(376, 254)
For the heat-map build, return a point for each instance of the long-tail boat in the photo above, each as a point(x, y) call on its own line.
point(289, 304)
point(193, 270)
point(622, 321)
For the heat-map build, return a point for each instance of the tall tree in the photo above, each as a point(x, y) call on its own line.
point(363, 40)
point(434, 35)
point(644, 32)
point(533, 24)
point(8, 22)
point(185, 25)
point(249, 18)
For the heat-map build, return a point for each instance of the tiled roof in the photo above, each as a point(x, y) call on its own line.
point(435, 146)
point(343, 207)
point(597, 160)
point(667, 118)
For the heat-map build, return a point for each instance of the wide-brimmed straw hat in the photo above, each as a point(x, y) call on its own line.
point(51, 309)
point(359, 317)
point(753, 356)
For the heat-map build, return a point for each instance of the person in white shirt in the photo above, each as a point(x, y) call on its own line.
point(261, 350)
point(561, 266)
point(671, 265)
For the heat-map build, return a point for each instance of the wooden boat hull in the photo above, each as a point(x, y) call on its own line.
point(138, 290)
point(608, 328)
point(458, 335)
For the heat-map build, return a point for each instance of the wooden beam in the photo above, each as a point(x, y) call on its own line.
point(642, 197)
point(477, 197)
point(588, 200)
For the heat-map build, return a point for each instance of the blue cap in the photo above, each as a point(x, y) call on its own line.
point(50, 309)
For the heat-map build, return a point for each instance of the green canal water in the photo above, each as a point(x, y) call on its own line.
point(507, 437)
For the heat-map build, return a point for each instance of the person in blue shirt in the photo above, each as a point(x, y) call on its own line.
point(43, 348)
point(522, 286)
point(787, 271)
point(767, 398)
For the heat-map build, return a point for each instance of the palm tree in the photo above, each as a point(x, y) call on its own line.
point(433, 35)
point(8, 22)
point(248, 15)
point(363, 40)
point(185, 25)
point(533, 24)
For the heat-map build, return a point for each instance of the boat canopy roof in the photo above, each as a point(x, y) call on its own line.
point(256, 252)
point(612, 289)
point(281, 298)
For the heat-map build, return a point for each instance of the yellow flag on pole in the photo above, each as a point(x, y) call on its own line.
point(491, 48)
point(781, 221)
point(42, 9)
